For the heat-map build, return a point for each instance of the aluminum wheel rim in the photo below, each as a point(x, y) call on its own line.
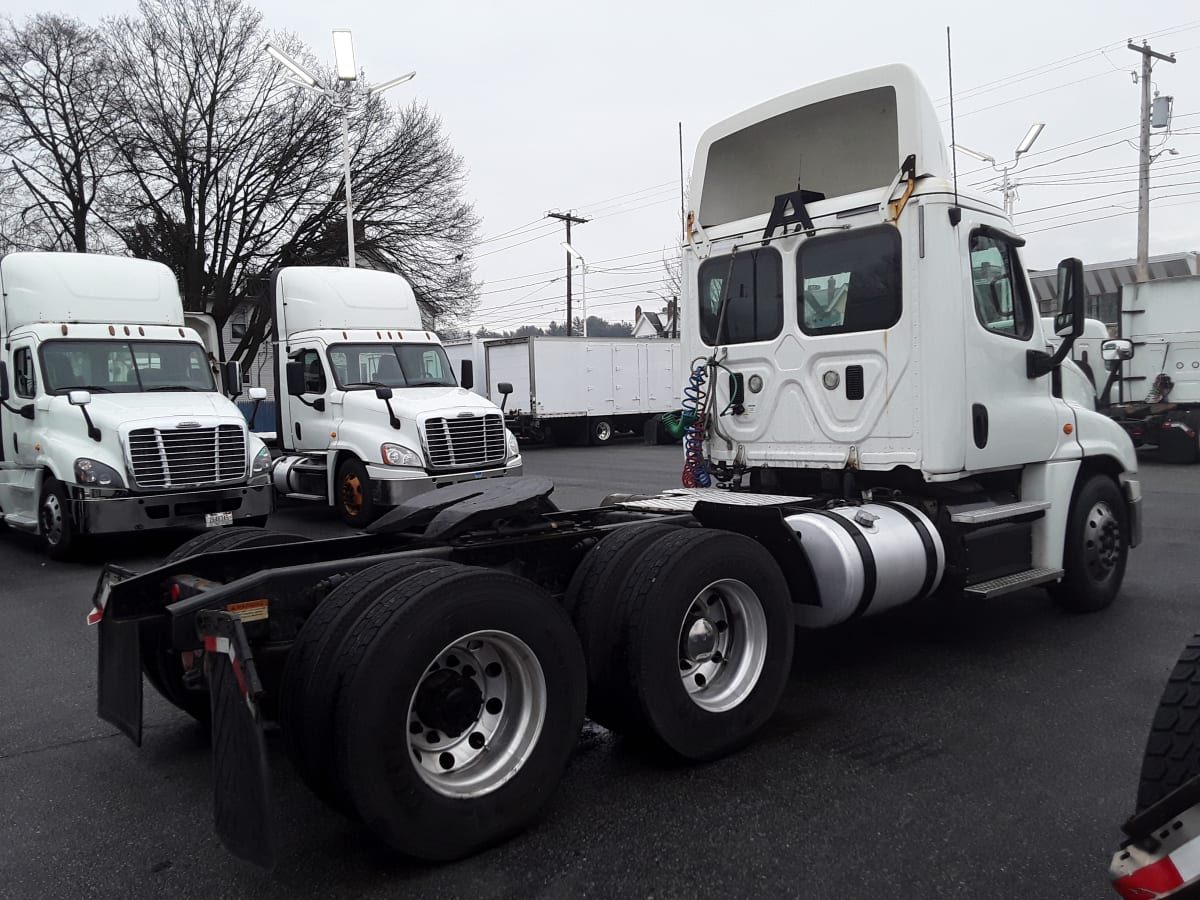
point(722, 645)
point(603, 431)
point(1102, 541)
point(500, 737)
point(352, 498)
point(52, 519)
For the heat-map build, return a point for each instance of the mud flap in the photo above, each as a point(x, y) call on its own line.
point(241, 776)
point(119, 676)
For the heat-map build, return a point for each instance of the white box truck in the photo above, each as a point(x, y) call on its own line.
point(112, 419)
point(582, 390)
point(369, 412)
point(877, 420)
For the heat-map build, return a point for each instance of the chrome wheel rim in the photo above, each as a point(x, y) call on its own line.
point(1102, 541)
point(722, 645)
point(603, 431)
point(52, 519)
point(477, 714)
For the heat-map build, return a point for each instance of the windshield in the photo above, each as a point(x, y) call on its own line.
point(390, 365)
point(125, 367)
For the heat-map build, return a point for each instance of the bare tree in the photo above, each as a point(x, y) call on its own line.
point(55, 107)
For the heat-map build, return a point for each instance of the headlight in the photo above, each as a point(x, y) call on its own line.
point(97, 474)
point(395, 455)
point(262, 462)
point(514, 449)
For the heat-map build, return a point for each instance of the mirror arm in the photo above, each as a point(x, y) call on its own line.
point(1104, 401)
point(93, 431)
point(393, 419)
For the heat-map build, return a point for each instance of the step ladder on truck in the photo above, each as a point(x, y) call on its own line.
point(874, 419)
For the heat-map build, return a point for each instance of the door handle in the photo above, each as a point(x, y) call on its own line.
point(979, 424)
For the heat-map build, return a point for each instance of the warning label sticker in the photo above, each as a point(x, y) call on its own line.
point(249, 610)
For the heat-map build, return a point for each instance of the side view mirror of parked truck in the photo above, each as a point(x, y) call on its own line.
point(1069, 321)
point(1116, 350)
point(295, 378)
point(232, 374)
point(467, 377)
point(3, 382)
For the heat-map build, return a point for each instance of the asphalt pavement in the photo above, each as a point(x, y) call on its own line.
point(992, 757)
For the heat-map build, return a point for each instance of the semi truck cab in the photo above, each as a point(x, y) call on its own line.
point(369, 410)
point(112, 419)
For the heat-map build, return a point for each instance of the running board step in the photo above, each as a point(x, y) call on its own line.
point(20, 522)
point(999, 513)
point(997, 587)
point(306, 496)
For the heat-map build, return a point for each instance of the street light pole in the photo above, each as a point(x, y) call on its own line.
point(1008, 188)
point(343, 49)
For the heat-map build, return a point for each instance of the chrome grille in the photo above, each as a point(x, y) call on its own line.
point(187, 457)
point(467, 442)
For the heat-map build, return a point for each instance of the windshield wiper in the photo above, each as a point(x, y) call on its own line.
point(429, 384)
point(172, 387)
point(94, 388)
point(351, 384)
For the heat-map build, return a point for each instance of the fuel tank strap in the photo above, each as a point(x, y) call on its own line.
point(931, 561)
point(868, 560)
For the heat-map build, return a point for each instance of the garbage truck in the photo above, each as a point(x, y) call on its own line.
point(874, 420)
point(111, 415)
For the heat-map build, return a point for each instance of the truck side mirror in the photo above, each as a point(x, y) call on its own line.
point(505, 389)
point(295, 378)
point(79, 398)
point(3, 382)
point(1069, 321)
point(383, 393)
point(232, 374)
point(467, 379)
point(1117, 350)
point(258, 394)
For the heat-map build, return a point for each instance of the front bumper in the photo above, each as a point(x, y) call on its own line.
point(1132, 489)
point(140, 512)
point(391, 487)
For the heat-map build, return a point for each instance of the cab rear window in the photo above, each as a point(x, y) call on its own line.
point(741, 297)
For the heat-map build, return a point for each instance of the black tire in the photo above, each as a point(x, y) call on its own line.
point(590, 600)
point(352, 493)
point(666, 583)
point(1172, 754)
point(600, 432)
point(1097, 546)
point(393, 649)
point(60, 537)
point(306, 702)
point(161, 665)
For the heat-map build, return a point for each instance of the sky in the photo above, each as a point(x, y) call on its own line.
point(557, 105)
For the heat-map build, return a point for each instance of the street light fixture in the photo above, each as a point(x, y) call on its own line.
point(343, 52)
point(1009, 189)
point(582, 282)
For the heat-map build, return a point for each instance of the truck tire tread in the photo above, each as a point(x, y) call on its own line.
point(1172, 754)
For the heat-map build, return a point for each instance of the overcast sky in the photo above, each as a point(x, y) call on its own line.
point(560, 105)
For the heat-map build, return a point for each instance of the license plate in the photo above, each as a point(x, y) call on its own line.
point(216, 520)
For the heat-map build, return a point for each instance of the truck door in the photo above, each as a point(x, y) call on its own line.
point(1010, 418)
point(311, 428)
point(17, 485)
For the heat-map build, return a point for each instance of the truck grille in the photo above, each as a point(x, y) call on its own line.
point(465, 443)
point(164, 458)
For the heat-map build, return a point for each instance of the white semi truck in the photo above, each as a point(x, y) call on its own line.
point(581, 390)
point(112, 419)
point(369, 412)
point(875, 419)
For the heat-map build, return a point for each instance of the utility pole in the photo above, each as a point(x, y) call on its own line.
point(569, 219)
point(1143, 238)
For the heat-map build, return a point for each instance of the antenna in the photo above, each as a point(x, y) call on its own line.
point(956, 212)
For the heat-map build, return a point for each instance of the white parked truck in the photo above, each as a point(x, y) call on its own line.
point(582, 390)
point(112, 419)
point(369, 412)
point(878, 418)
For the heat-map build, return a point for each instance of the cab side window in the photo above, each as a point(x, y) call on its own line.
point(24, 373)
point(998, 284)
point(314, 372)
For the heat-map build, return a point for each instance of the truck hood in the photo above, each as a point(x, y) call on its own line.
point(416, 403)
point(115, 410)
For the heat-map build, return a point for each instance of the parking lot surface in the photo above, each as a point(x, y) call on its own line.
point(991, 757)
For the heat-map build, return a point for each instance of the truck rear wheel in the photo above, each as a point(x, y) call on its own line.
point(306, 703)
point(59, 534)
point(591, 601)
point(600, 432)
point(706, 641)
point(1097, 546)
point(161, 665)
point(352, 493)
point(1172, 754)
point(461, 702)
